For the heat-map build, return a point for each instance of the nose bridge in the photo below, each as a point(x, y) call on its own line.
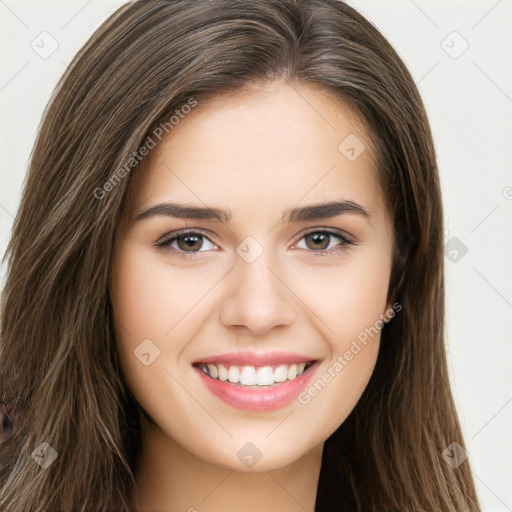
point(257, 298)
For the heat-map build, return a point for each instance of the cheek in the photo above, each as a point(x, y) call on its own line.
point(157, 311)
point(347, 301)
point(151, 298)
point(149, 302)
point(348, 297)
point(145, 310)
point(337, 387)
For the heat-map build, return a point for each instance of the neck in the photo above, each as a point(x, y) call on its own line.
point(170, 479)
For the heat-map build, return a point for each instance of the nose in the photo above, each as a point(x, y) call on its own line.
point(258, 299)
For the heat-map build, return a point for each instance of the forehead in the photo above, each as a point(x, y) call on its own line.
point(274, 144)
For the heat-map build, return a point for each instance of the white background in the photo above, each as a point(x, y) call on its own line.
point(469, 101)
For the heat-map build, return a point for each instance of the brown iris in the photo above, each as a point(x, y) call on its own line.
point(318, 238)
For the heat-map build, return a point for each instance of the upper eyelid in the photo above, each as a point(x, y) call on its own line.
point(185, 231)
point(346, 239)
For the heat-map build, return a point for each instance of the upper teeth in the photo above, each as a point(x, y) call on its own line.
point(253, 375)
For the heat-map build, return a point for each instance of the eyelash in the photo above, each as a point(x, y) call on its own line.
point(165, 242)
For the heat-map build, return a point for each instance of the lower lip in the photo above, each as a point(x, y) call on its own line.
point(266, 399)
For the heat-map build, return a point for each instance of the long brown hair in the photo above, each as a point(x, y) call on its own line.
point(59, 371)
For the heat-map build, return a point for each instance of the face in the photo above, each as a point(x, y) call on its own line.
point(250, 275)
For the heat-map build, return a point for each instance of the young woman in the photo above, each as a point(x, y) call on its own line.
point(225, 286)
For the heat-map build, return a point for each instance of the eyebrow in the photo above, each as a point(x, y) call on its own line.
point(304, 213)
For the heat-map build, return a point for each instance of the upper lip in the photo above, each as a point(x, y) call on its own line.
point(256, 358)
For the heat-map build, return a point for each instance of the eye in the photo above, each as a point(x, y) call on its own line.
point(324, 242)
point(186, 243)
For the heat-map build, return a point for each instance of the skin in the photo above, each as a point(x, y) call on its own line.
point(254, 154)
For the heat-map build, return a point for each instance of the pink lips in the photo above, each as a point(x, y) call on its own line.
point(268, 398)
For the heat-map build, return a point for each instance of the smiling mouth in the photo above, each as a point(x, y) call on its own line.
point(254, 376)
